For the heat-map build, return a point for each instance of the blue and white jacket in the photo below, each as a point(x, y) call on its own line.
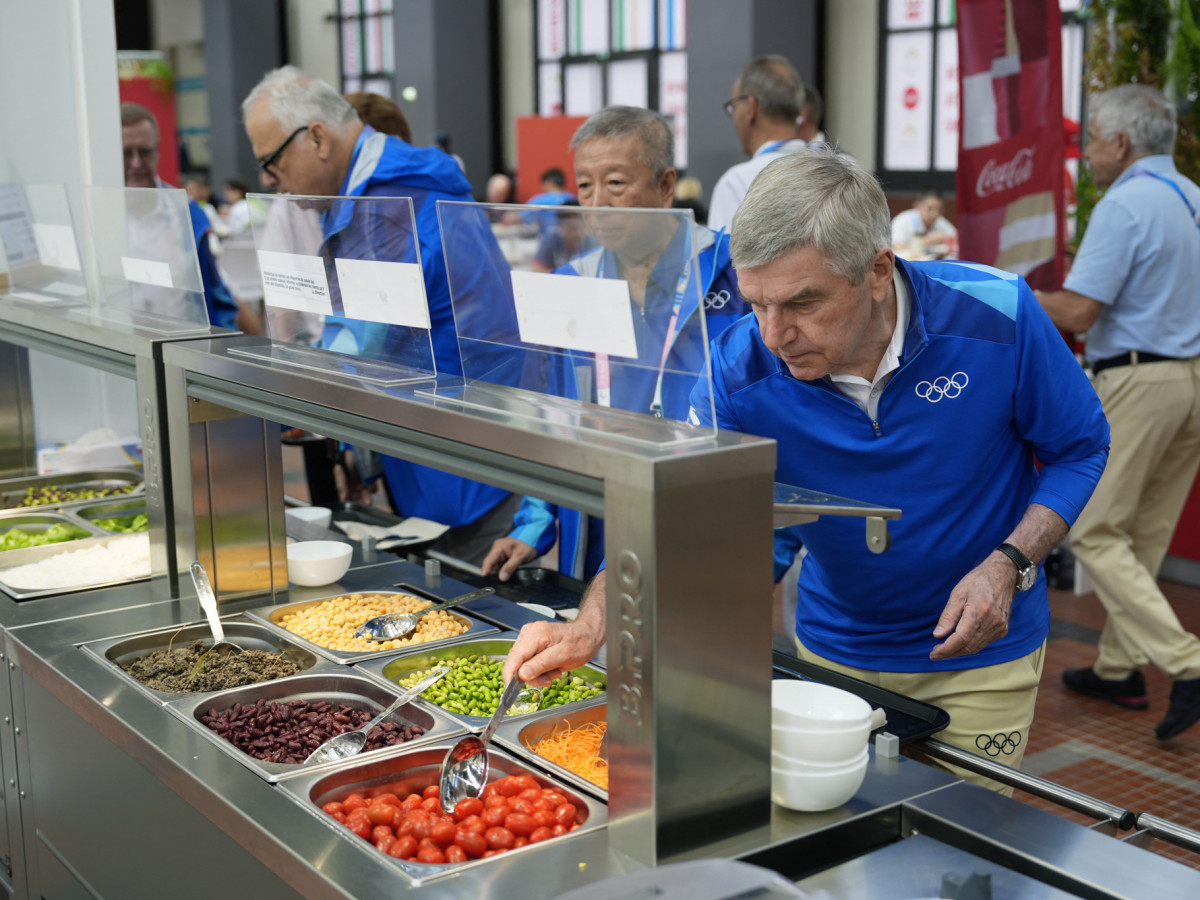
point(985, 384)
point(581, 538)
point(385, 166)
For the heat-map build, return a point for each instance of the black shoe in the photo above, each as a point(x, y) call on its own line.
point(1184, 711)
point(1129, 692)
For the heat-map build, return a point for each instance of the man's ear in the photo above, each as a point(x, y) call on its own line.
point(321, 136)
point(666, 187)
point(883, 266)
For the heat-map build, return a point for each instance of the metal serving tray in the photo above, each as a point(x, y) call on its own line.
point(118, 651)
point(394, 667)
point(523, 734)
point(407, 772)
point(39, 519)
point(12, 490)
point(273, 615)
point(338, 686)
point(116, 508)
point(13, 558)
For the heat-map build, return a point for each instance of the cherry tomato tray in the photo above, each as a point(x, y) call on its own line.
point(334, 685)
point(395, 667)
point(272, 616)
point(118, 651)
point(523, 734)
point(412, 771)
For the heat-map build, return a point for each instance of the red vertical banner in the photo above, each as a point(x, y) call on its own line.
point(1010, 149)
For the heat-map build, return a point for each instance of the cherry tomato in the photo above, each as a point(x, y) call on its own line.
point(472, 842)
point(494, 815)
point(422, 823)
point(403, 828)
point(490, 853)
point(361, 827)
point(495, 800)
point(381, 831)
point(386, 797)
point(530, 794)
point(520, 841)
point(553, 797)
point(384, 844)
point(381, 813)
point(432, 791)
point(443, 832)
point(430, 855)
point(404, 848)
point(525, 783)
point(558, 829)
point(399, 816)
point(488, 791)
point(565, 814)
point(540, 834)
point(509, 786)
point(544, 817)
point(520, 824)
point(522, 806)
point(455, 854)
point(427, 842)
point(542, 803)
point(499, 838)
point(353, 802)
point(468, 806)
point(333, 807)
point(476, 824)
point(340, 816)
point(431, 804)
point(412, 801)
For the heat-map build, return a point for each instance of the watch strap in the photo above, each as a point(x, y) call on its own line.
point(1019, 559)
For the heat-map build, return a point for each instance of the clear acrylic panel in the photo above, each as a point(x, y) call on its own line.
point(586, 317)
point(343, 287)
point(145, 253)
point(40, 261)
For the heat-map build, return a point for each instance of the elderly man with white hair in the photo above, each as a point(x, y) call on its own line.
point(309, 140)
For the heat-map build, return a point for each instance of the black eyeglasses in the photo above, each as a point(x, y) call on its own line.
point(266, 162)
point(728, 105)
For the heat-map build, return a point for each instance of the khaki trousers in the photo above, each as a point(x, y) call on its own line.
point(990, 708)
point(1122, 535)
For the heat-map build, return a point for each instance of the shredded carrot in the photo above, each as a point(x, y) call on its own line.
point(577, 750)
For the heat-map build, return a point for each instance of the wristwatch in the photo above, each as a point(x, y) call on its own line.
point(1026, 571)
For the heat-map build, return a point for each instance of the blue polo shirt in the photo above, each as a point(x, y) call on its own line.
point(1140, 257)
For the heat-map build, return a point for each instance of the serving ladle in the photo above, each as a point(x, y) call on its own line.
point(390, 626)
point(208, 602)
point(350, 743)
point(465, 769)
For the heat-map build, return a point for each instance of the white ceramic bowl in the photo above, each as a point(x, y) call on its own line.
point(783, 761)
point(314, 563)
point(821, 745)
point(810, 704)
point(317, 515)
point(816, 791)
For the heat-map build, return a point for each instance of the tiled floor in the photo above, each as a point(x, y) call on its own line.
point(1110, 753)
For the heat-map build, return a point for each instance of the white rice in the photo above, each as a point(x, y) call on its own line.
point(120, 559)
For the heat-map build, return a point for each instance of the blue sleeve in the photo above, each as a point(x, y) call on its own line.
point(787, 545)
point(535, 524)
point(1105, 257)
point(1057, 411)
point(222, 308)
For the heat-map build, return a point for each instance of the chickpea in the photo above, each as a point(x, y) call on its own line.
point(332, 622)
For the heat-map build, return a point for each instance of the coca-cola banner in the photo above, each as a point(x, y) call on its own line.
point(1010, 152)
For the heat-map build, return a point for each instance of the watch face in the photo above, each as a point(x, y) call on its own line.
point(1026, 579)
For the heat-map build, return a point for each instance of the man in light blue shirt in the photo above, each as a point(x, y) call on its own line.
point(1134, 289)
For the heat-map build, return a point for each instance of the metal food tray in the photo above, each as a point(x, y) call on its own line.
point(12, 490)
point(12, 558)
point(394, 667)
point(117, 651)
point(908, 719)
point(406, 772)
point(273, 615)
point(338, 686)
point(40, 519)
point(114, 508)
point(523, 734)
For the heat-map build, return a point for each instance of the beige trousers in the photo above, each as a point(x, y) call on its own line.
point(1122, 535)
point(990, 708)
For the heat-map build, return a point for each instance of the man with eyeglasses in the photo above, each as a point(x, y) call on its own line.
point(766, 102)
point(139, 140)
point(310, 141)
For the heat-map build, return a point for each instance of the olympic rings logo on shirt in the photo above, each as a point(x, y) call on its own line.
point(995, 744)
point(940, 387)
point(717, 299)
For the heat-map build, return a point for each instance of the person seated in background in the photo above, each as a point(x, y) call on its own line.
point(624, 158)
point(381, 113)
point(554, 189)
point(688, 191)
point(923, 232)
point(140, 141)
point(561, 243)
point(200, 191)
point(242, 213)
point(500, 189)
point(309, 140)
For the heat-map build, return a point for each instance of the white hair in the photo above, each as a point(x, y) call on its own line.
point(296, 100)
point(1141, 112)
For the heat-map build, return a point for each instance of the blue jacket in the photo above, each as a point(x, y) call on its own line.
point(222, 308)
point(385, 166)
point(985, 383)
point(581, 538)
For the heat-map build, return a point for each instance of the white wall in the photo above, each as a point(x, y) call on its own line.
point(851, 73)
point(313, 39)
point(517, 72)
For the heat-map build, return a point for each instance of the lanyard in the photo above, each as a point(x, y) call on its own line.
point(1167, 181)
point(771, 147)
point(603, 370)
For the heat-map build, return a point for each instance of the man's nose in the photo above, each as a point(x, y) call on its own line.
point(777, 330)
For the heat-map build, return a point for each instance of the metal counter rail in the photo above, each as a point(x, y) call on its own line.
point(1169, 831)
point(1123, 819)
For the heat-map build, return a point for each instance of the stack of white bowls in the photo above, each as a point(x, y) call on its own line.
point(819, 738)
